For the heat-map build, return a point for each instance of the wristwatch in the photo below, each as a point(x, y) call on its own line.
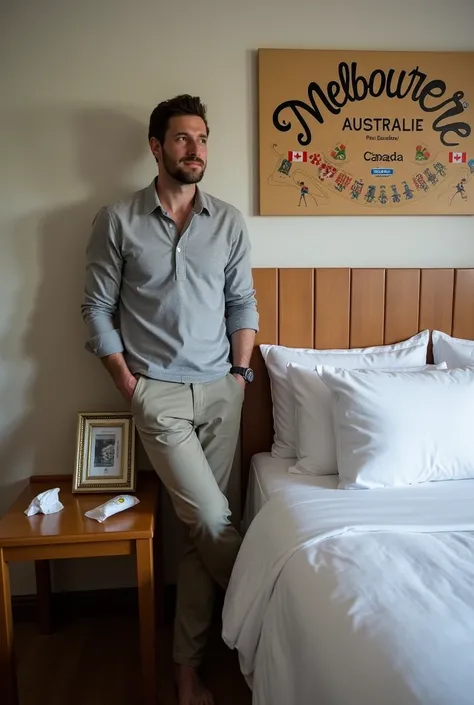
point(245, 372)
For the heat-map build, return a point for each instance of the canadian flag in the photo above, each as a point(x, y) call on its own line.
point(457, 157)
point(297, 156)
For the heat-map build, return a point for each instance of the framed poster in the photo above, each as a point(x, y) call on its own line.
point(366, 132)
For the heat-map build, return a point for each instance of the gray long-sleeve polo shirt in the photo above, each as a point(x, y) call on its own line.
point(168, 303)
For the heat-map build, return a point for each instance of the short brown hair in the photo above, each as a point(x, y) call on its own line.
point(180, 105)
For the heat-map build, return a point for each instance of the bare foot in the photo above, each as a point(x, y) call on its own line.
point(191, 691)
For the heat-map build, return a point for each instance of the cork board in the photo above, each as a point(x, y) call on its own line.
point(366, 133)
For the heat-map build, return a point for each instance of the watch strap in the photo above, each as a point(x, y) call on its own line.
point(245, 372)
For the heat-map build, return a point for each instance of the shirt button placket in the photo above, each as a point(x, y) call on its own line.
point(180, 263)
point(177, 264)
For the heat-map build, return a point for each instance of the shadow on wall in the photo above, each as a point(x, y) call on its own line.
point(62, 377)
point(47, 366)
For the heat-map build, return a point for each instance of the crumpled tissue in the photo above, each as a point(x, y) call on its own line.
point(111, 507)
point(46, 502)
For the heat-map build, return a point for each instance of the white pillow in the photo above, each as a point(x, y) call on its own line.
point(315, 440)
point(400, 428)
point(408, 353)
point(456, 351)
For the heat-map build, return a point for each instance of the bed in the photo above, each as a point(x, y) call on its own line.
point(269, 476)
point(349, 589)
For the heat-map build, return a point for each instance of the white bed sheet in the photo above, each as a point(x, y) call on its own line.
point(269, 476)
point(356, 597)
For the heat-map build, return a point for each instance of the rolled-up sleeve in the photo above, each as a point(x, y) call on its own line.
point(104, 265)
point(241, 304)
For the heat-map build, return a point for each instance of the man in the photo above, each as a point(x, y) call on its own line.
point(174, 263)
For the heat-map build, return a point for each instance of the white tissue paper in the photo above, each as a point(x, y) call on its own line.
point(111, 507)
point(46, 502)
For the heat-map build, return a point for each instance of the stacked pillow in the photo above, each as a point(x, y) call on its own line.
point(457, 352)
point(314, 424)
point(409, 353)
point(377, 416)
point(402, 428)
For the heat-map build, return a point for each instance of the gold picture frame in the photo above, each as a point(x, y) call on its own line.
point(105, 453)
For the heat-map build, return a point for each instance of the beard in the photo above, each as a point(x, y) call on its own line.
point(183, 174)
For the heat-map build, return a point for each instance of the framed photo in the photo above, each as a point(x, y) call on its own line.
point(105, 453)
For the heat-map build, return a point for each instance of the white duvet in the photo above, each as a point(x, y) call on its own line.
point(358, 598)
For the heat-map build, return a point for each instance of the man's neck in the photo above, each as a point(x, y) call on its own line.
point(175, 197)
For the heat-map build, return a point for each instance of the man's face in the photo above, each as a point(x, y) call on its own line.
point(184, 153)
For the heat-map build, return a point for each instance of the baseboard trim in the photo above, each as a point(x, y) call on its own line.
point(90, 603)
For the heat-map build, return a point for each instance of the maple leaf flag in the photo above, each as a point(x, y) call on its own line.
point(457, 157)
point(297, 156)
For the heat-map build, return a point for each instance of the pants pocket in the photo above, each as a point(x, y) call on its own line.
point(136, 390)
point(240, 387)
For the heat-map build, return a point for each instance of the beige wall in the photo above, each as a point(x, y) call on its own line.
point(78, 81)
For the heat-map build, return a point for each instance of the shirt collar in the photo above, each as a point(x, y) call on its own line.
point(201, 202)
point(152, 202)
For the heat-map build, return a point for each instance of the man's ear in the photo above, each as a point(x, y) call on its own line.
point(155, 147)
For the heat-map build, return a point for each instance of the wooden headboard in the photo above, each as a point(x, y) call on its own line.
point(346, 308)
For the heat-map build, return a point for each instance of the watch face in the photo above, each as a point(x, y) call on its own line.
point(249, 375)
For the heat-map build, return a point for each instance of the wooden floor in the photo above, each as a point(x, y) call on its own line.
point(95, 661)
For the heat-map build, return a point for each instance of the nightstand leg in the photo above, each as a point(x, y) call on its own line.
point(159, 573)
point(43, 597)
point(146, 606)
point(8, 684)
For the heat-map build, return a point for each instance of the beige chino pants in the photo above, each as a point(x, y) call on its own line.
point(190, 432)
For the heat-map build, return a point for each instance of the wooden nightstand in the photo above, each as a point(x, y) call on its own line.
point(69, 534)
